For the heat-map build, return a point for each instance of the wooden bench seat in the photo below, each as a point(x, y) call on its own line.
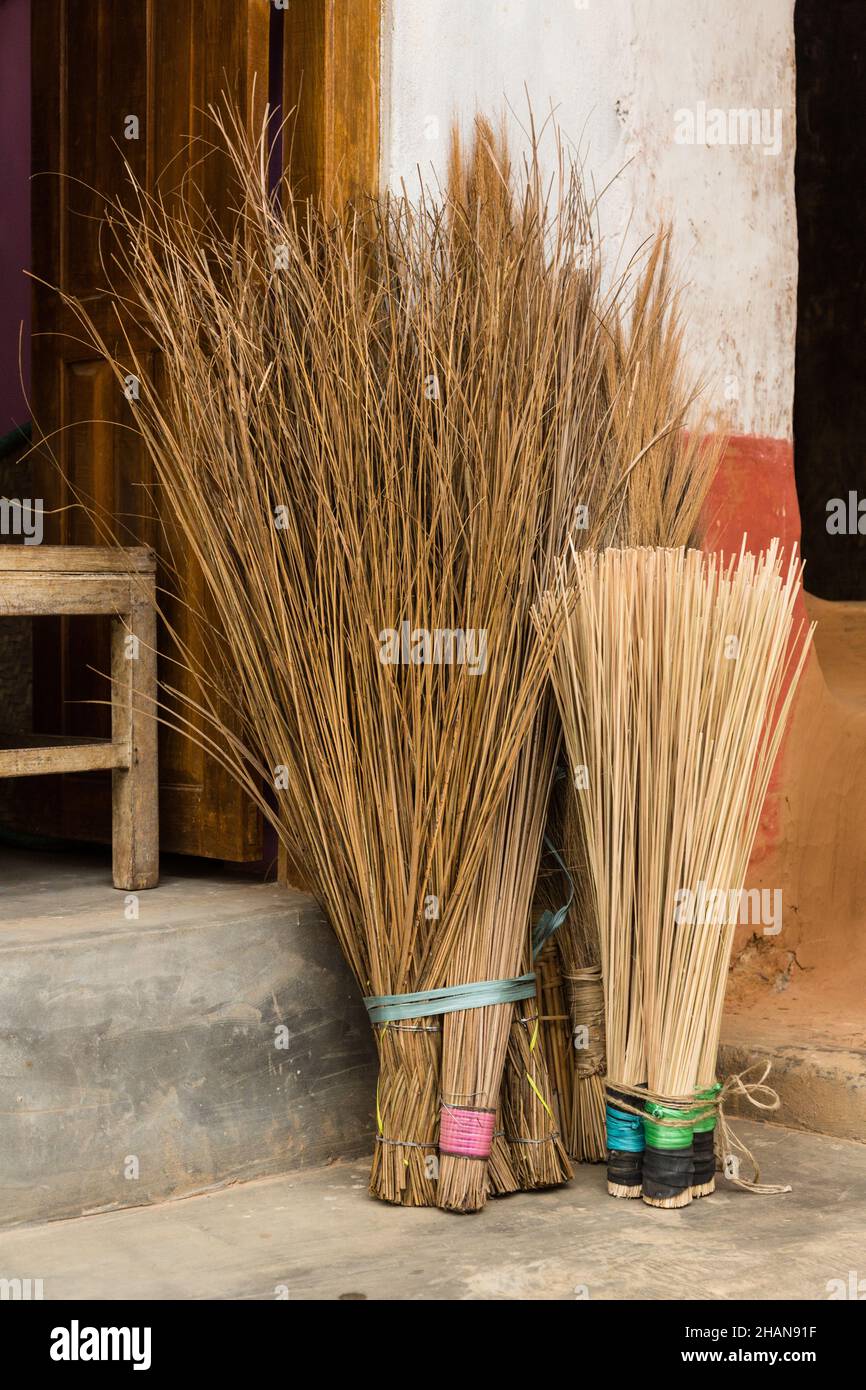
point(36, 581)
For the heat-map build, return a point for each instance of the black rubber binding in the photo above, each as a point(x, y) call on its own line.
point(667, 1172)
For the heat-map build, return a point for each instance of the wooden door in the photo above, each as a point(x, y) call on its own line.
point(96, 63)
point(103, 71)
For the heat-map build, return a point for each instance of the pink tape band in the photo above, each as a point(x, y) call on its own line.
point(466, 1133)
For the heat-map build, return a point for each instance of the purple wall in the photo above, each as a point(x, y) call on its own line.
point(14, 207)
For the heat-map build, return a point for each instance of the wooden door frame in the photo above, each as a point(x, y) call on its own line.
point(333, 48)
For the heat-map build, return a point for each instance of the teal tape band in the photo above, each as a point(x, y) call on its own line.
point(389, 1008)
point(625, 1132)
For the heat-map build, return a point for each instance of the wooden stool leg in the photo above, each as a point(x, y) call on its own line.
point(135, 790)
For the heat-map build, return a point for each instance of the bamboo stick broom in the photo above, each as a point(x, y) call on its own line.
point(591, 674)
point(706, 672)
point(714, 727)
point(648, 397)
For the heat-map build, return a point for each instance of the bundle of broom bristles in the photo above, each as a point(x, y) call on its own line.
point(426, 456)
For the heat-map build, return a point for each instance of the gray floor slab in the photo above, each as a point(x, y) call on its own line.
point(317, 1235)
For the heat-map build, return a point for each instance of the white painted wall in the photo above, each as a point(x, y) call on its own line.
point(617, 71)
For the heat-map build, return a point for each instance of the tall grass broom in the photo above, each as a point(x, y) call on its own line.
point(675, 675)
point(359, 442)
point(484, 216)
point(556, 286)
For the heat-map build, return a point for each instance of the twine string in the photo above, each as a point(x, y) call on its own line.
point(408, 1027)
point(532, 1143)
point(727, 1142)
point(404, 1143)
point(585, 996)
point(549, 921)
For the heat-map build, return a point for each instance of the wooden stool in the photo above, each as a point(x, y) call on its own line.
point(66, 580)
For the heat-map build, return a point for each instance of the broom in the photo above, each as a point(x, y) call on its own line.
point(556, 1035)
point(715, 717)
point(360, 443)
point(488, 225)
point(647, 398)
point(675, 676)
point(590, 674)
point(559, 327)
point(564, 893)
point(622, 376)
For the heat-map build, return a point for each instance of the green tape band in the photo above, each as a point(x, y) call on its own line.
point(708, 1123)
point(667, 1136)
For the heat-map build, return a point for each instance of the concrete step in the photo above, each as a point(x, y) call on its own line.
point(204, 1033)
point(820, 1088)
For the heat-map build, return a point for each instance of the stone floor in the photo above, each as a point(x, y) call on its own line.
point(317, 1235)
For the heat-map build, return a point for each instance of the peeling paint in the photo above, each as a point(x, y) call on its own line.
point(616, 74)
